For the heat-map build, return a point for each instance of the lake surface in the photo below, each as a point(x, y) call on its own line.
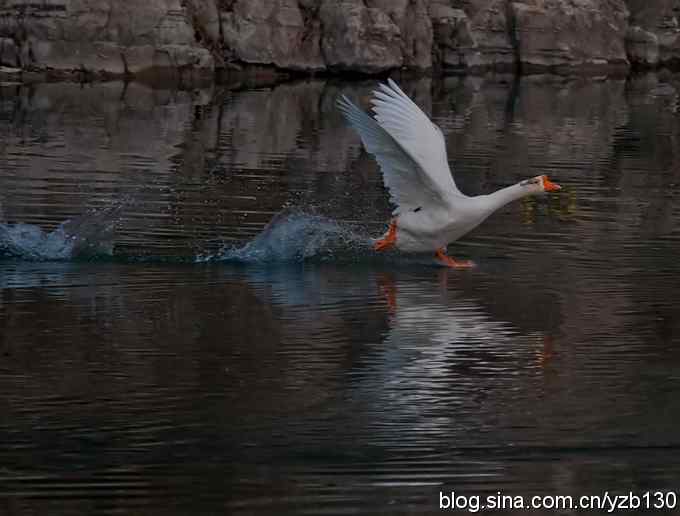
point(162, 352)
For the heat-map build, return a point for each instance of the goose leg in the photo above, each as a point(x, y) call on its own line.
point(447, 261)
point(389, 240)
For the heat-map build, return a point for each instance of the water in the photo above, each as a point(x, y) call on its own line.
point(192, 321)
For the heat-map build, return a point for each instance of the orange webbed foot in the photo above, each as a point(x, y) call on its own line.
point(450, 262)
point(389, 240)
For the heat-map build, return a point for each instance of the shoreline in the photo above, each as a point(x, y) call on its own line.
point(255, 76)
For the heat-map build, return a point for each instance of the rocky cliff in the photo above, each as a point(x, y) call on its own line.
point(128, 37)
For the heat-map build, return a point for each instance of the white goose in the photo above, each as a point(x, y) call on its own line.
point(430, 211)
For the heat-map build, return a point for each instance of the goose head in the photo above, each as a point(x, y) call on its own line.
point(539, 184)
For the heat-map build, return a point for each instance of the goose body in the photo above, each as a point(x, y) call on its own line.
point(434, 227)
point(431, 212)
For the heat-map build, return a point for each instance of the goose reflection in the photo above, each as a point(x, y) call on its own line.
point(441, 340)
point(414, 327)
point(412, 352)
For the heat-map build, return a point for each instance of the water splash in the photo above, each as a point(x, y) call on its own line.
point(293, 236)
point(86, 236)
point(32, 243)
point(290, 237)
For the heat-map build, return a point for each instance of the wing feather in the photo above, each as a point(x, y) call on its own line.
point(400, 175)
point(409, 148)
point(417, 135)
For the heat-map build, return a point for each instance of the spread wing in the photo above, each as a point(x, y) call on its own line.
point(409, 148)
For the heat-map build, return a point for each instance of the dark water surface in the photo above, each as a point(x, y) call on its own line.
point(157, 356)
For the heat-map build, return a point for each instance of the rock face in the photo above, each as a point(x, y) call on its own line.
point(553, 33)
point(654, 34)
point(472, 34)
point(369, 36)
point(99, 35)
point(271, 32)
point(412, 18)
point(359, 37)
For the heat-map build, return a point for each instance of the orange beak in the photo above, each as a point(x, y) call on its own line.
point(549, 186)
